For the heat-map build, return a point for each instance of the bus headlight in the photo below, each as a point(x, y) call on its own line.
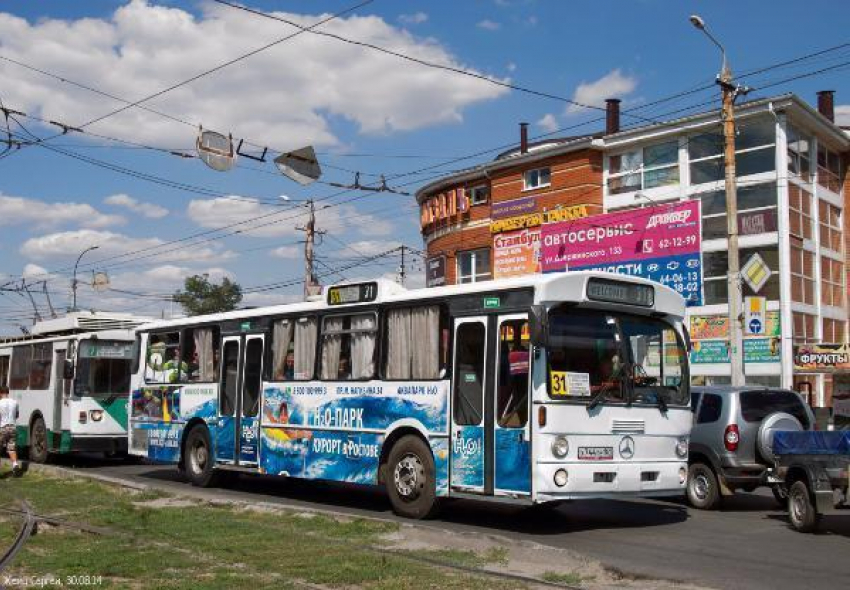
point(560, 447)
point(682, 448)
point(96, 415)
point(561, 478)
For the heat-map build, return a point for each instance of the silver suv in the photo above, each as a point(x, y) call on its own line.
point(732, 439)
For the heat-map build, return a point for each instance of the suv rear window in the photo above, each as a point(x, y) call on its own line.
point(711, 408)
point(758, 405)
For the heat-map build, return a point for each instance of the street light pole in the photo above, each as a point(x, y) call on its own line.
point(74, 280)
point(733, 278)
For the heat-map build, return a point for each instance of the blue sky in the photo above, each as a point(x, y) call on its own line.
point(345, 100)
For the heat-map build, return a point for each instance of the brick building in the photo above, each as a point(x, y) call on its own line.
point(792, 191)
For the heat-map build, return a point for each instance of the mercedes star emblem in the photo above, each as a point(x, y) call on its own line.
point(627, 447)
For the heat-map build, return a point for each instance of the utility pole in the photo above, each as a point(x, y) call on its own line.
point(402, 271)
point(729, 92)
point(74, 280)
point(309, 243)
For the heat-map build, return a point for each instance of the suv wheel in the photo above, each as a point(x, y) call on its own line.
point(703, 489)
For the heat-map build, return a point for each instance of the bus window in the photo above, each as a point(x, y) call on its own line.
point(162, 364)
point(19, 375)
point(103, 368)
point(348, 347)
point(469, 374)
point(42, 361)
point(293, 349)
point(4, 371)
point(413, 343)
point(512, 398)
point(201, 354)
point(229, 378)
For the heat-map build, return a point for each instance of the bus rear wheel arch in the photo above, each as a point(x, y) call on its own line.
point(409, 476)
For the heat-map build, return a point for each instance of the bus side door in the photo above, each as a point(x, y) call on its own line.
point(511, 435)
point(225, 432)
point(469, 456)
point(249, 400)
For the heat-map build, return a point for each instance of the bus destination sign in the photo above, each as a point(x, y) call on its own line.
point(620, 292)
point(356, 293)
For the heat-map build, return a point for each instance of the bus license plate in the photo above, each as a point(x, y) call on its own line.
point(596, 453)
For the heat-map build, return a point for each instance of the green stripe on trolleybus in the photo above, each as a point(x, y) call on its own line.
point(115, 407)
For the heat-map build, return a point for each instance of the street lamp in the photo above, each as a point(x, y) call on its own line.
point(74, 280)
point(728, 93)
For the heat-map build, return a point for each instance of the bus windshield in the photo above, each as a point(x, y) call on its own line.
point(103, 368)
point(611, 356)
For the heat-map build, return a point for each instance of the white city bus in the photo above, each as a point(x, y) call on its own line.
point(71, 378)
point(531, 390)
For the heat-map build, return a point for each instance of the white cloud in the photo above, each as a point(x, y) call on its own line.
point(413, 19)
point(284, 97)
point(488, 25)
point(287, 252)
point(221, 210)
point(36, 272)
point(41, 214)
point(842, 114)
point(68, 244)
point(265, 299)
point(548, 123)
point(511, 66)
point(614, 84)
point(150, 210)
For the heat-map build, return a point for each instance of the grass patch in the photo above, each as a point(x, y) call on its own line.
point(209, 546)
point(569, 578)
point(464, 557)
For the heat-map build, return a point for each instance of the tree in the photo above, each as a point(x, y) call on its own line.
point(200, 296)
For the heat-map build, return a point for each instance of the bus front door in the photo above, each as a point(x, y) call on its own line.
point(471, 440)
point(239, 399)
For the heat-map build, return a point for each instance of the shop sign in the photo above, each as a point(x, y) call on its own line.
point(516, 253)
point(716, 327)
point(513, 208)
point(757, 222)
point(756, 350)
point(658, 243)
point(538, 219)
point(821, 358)
point(436, 271)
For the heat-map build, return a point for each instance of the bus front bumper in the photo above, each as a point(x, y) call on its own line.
point(609, 479)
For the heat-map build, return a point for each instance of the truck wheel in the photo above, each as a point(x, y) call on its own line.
point(410, 478)
point(38, 441)
point(198, 458)
point(802, 513)
point(703, 490)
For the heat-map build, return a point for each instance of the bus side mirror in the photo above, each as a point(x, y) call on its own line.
point(68, 370)
point(538, 325)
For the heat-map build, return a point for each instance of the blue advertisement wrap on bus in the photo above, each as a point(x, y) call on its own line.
point(336, 431)
point(513, 460)
point(468, 457)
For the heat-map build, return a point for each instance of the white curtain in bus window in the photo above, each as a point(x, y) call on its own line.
point(282, 358)
point(363, 346)
point(399, 342)
point(425, 336)
point(331, 348)
point(206, 355)
point(305, 348)
point(42, 361)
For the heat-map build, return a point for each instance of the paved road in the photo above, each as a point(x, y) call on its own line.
point(748, 544)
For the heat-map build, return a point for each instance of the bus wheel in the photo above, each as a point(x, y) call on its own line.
point(198, 458)
point(703, 491)
point(410, 478)
point(38, 441)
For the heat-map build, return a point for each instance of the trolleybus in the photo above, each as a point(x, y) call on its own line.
point(529, 390)
point(71, 379)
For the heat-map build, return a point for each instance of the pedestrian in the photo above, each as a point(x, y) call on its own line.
point(8, 420)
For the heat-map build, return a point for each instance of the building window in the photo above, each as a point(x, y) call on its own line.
point(833, 331)
point(830, 226)
point(716, 266)
point(478, 195)
point(798, 154)
point(800, 205)
point(537, 178)
point(832, 282)
point(652, 166)
point(804, 328)
point(751, 199)
point(473, 266)
point(802, 275)
point(754, 151)
point(829, 169)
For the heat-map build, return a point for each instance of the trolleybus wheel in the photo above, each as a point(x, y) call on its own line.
point(802, 513)
point(410, 478)
point(703, 490)
point(38, 441)
point(198, 458)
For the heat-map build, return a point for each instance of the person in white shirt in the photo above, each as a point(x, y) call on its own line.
point(8, 419)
